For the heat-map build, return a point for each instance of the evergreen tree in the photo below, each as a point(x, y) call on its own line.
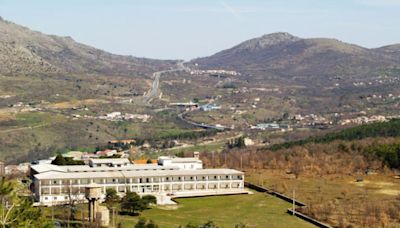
point(16, 211)
point(132, 203)
point(59, 160)
point(149, 199)
point(112, 197)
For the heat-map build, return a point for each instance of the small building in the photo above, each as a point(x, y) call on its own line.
point(113, 114)
point(145, 161)
point(265, 126)
point(182, 163)
point(106, 153)
point(209, 107)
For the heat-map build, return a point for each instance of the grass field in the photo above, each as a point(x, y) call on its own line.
point(256, 210)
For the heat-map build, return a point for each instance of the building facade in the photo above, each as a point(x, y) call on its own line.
point(62, 184)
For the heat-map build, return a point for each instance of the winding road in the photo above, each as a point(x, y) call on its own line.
point(154, 90)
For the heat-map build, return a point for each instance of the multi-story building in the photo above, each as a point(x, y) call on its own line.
point(171, 177)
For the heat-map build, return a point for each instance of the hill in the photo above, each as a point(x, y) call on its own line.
point(385, 129)
point(23, 51)
point(284, 54)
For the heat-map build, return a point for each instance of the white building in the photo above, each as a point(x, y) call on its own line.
point(181, 163)
point(172, 177)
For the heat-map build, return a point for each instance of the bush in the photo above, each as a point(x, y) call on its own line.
point(61, 160)
point(149, 199)
point(143, 223)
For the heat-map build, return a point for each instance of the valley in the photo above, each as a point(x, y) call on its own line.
point(316, 116)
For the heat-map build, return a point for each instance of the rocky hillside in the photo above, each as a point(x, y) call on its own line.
point(284, 54)
point(23, 51)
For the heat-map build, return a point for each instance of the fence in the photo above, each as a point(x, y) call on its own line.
point(290, 200)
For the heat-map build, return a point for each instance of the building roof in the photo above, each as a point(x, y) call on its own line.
point(41, 168)
point(129, 174)
point(180, 160)
point(184, 160)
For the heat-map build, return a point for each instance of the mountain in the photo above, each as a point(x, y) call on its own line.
point(393, 50)
point(285, 54)
point(23, 51)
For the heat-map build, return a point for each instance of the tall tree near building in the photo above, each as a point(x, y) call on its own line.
point(16, 211)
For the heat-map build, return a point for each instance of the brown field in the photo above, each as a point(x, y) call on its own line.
point(339, 199)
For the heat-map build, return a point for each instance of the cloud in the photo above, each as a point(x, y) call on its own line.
point(228, 8)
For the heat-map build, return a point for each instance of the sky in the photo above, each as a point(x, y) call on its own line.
point(186, 29)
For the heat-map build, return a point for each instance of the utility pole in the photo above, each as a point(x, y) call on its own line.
point(241, 162)
point(82, 218)
point(113, 213)
point(225, 161)
point(213, 162)
point(294, 202)
point(52, 211)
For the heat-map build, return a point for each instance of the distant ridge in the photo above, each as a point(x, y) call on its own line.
point(284, 54)
point(23, 51)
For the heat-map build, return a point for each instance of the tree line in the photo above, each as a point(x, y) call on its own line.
point(384, 129)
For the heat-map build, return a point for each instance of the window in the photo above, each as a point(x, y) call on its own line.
point(46, 198)
point(54, 182)
point(167, 178)
point(191, 178)
point(55, 198)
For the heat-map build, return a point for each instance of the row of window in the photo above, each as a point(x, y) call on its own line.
point(134, 180)
point(120, 170)
point(73, 191)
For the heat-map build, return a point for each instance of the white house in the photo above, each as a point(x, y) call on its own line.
point(181, 163)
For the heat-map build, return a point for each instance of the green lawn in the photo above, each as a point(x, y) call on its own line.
point(256, 210)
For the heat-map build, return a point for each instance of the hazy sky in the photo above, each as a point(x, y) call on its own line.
point(184, 29)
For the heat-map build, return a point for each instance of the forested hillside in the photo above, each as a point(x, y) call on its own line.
point(385, 129)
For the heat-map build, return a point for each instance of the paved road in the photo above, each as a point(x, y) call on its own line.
point(202, 125)
point(154, 90)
